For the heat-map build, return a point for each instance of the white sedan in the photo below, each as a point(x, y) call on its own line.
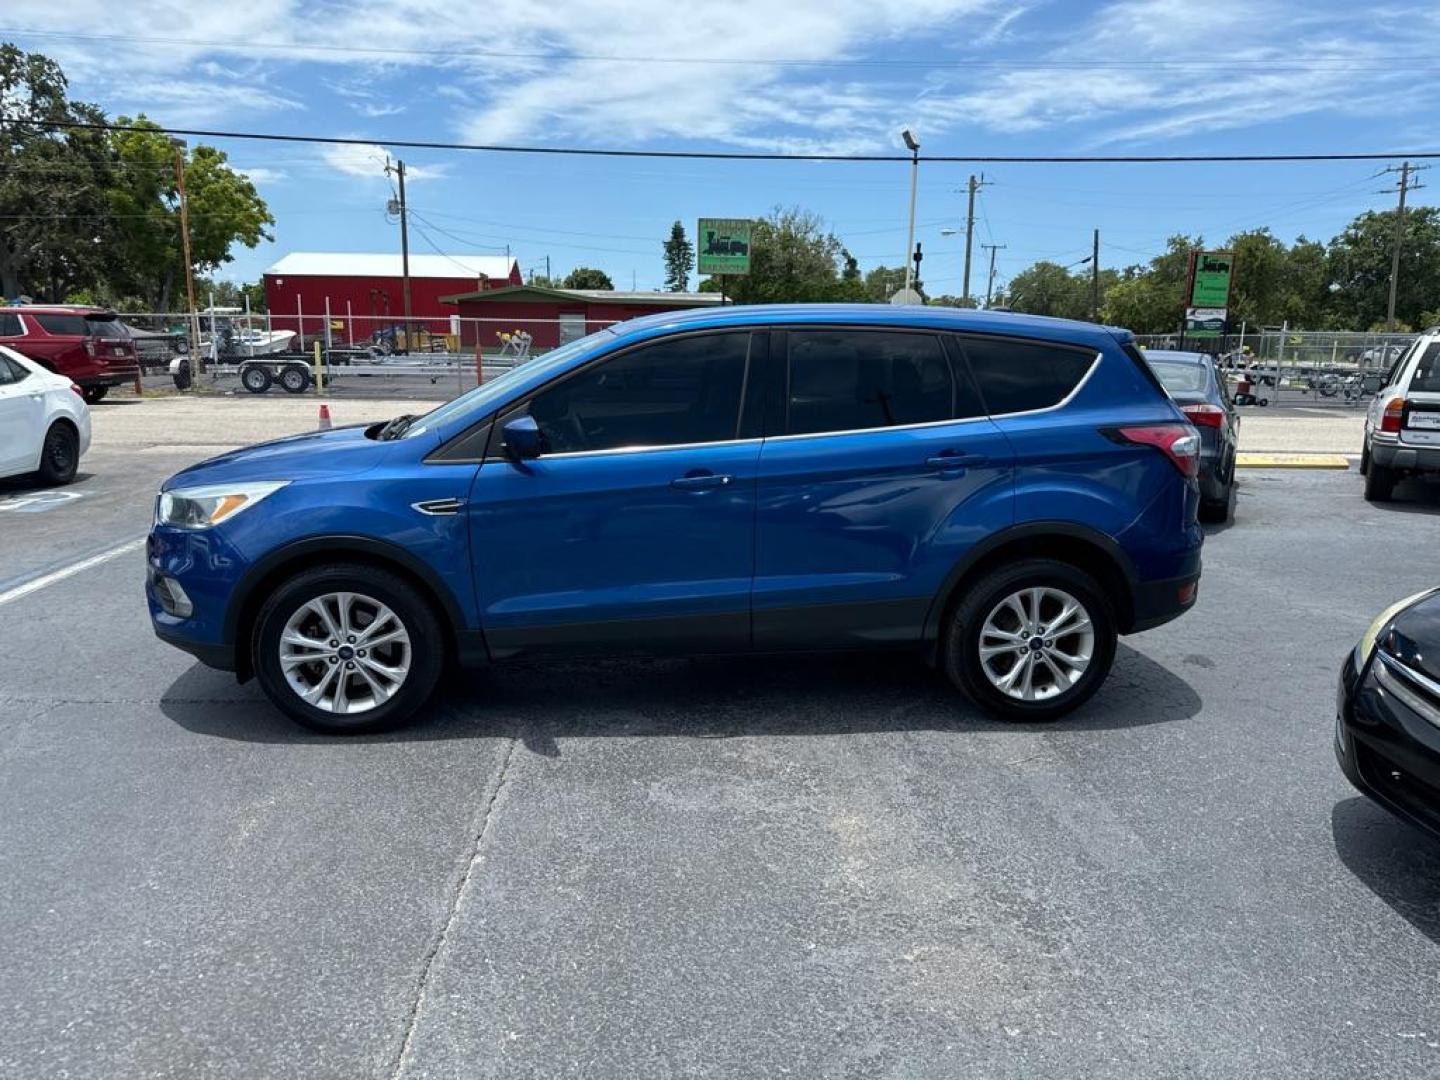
point(44, 421)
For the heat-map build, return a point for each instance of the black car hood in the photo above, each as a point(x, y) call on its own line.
point(1414, 636)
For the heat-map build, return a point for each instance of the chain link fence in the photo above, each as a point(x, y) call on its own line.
point(1299, 367)
point(436, 357)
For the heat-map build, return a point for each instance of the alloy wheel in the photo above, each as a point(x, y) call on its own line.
point(345, 653)
point(1036, 643)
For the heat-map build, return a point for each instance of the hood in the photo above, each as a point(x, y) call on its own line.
point(315, 454)
point(1414, 636)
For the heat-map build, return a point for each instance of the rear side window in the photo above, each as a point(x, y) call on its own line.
point(1427, 372)
point(19, 372)
point(71, 325)
point(1021, 376)
point(1181, 378)
point(686, 390)
point(855, 380)
point(10, 324)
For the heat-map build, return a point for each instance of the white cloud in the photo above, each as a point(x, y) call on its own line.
point(1123, 71)
point(367, 161)
point(260, 174)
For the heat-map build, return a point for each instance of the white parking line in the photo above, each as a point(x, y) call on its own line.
point(70, 571)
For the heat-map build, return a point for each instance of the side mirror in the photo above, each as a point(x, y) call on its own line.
point(522, 438)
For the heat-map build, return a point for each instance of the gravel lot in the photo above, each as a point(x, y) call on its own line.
point(813, 866)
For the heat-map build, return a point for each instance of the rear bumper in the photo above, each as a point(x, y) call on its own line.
point(1157, 602)
point(1397, 455)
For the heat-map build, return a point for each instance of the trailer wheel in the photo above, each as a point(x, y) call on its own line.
point(294, 379)
point(256, 379)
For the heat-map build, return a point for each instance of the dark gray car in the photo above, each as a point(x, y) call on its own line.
point(1200, 391)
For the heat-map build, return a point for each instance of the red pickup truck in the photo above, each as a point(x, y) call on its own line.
point(87, 345)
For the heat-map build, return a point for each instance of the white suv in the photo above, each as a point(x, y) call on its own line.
point(1402, 428)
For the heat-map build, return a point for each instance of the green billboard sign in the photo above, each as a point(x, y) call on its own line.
point(1210, 273)
point(724, 245)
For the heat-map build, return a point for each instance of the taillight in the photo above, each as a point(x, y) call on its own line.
point(1178, 442)
point(1203, 414)
point(90, 347)
point(77, 389)
point(1394, 415)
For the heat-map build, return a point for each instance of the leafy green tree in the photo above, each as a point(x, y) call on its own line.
point(1048, 288)
point(55, 227)
point(793, 259)
point(587, 277)
point(224, 209)
point(679, 257)
point(883, 282)
point(1359, 267)
point(1151, 299)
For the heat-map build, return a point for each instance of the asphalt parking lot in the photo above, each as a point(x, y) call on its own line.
point(808, 866)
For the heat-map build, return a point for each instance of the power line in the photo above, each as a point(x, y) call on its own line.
point(733, 155)
point(1266, 63)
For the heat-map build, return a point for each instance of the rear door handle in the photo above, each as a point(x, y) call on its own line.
point(954, 461)
point(701, 481)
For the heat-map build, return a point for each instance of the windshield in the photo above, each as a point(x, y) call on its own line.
point(1180, 378)
point(477, 402)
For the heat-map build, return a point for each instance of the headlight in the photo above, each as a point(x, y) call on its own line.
point(1372, 635)
point(201, 507)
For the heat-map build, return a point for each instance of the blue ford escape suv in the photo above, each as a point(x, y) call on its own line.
point(1004, 493)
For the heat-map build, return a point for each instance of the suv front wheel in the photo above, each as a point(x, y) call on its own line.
point(348, 649)
point(1031, 641)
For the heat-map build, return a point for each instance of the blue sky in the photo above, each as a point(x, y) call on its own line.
point(841, 76)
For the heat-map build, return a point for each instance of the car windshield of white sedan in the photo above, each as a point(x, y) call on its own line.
point(477, 402)
point(1180, 378)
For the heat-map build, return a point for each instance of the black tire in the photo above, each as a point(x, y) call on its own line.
point(1219, 511)
point(256, 379)
point(183, 377)
point(294, 379)
point(60, 454)
point(428, 646)
point(961, 652)
point(1380, 481)
point(94, 394)
point(1365, 460)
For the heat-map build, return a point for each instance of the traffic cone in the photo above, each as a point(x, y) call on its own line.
point(324, 417)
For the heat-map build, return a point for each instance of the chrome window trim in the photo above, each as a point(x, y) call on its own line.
point(876, 430)
point(610, 451)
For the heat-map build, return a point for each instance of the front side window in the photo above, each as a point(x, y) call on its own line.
point(1022, 376)
point(855, 380)
point(670, 393)
point(1427, 372)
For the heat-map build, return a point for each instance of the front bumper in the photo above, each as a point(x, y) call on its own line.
point(1387, 750)
point(206, 567)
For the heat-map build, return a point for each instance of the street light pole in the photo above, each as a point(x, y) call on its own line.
point(913, 145)
point(197, 358)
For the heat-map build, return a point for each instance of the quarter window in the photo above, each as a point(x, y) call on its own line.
point(71, 325)
point(1021, 376)
point(1427, 372)
point(854, 380)
point(686, 390)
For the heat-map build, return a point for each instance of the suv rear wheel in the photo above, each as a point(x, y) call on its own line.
point(348, 649)
point(93, 394)
point(1380, 482)
point(1031, 641)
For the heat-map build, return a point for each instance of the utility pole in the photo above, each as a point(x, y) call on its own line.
point(990, 282)
point(1095, 279)
point(399, 171)
point(974, 186)
point(1405, 171)
point(197, 355)
point(548, 280)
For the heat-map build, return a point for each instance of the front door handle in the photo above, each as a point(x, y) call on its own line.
point(701, 481)
point(954, 461)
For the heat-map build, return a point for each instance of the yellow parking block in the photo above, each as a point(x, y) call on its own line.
point(1292, 461)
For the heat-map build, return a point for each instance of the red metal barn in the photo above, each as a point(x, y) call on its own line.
point(554, 316)
point(298, 286)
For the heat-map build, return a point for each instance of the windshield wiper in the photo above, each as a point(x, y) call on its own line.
point(393, 429)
